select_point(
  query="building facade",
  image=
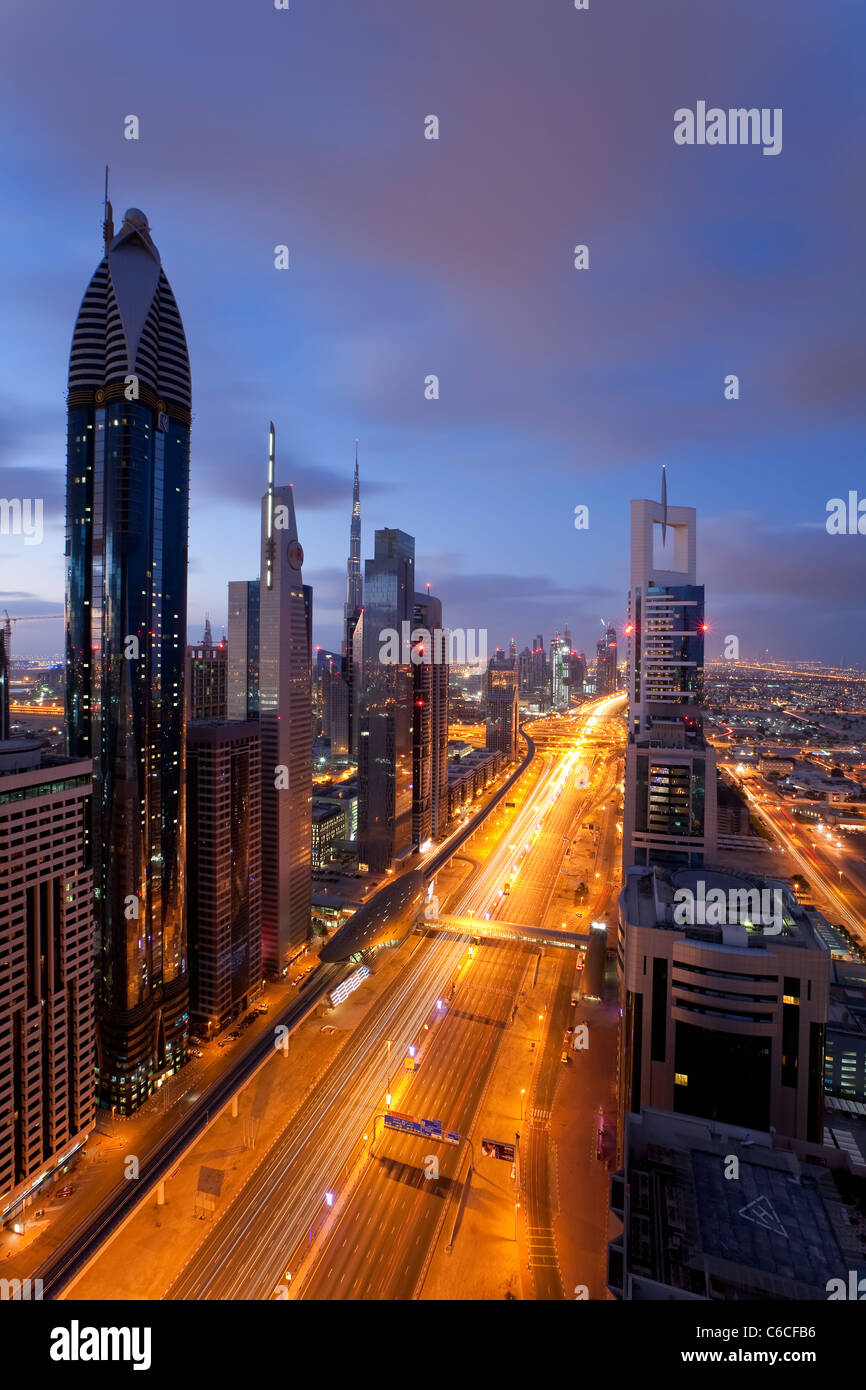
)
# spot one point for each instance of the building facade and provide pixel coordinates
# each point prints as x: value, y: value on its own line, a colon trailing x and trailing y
x: 560, y: 652
x: 285, y: 719
x: 224, y: 870
x: 605, y: 663
x: 724, y: 1021
x: 242, y: 689
x: 670, y: 784
x: 386, y: 725
x: 429, y: 721
x: 503, y: 718
x: 47, y: 997
x: 127, y: 506
x: 207, y: 681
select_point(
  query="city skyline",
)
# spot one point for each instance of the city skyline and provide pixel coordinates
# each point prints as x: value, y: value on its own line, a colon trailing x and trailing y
x: 733, y: 272
x: 432, y: 856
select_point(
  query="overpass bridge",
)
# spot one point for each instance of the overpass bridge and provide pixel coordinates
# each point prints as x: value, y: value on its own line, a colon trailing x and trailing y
x: 505, y: 931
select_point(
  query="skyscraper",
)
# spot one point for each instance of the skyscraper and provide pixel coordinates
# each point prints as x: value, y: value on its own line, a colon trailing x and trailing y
x: 670, y: 786
x: 225, y: 852
x: 206, y: 683
x: 47, y: 1025
x: 560, y: 651
x: 127, y: 505
x: 430, y: 721
x: 354, y: 583
x: 576, y: 676
x: 605, y: 664
x: 385, y: 735
x: 285, y: 717
x: 502, y: 704
x: 351, y: 672
x: 242, y: 694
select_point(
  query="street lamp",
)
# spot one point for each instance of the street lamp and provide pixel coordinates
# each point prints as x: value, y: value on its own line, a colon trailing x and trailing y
x: 522, y: 1094
x: 540, y: 1017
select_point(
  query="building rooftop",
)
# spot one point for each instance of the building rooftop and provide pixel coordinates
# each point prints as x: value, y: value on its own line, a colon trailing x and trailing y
x: 648, y: 899
x: 776, y: 1226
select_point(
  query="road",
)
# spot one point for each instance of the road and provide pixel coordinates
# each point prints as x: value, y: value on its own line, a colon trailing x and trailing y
x: 380, y: 1244
x: 832, y: 865
x: 246, y: 1253
x: 73, y: 1247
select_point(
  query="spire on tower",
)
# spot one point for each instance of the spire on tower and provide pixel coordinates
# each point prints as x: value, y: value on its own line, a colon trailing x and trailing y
x: 664, y: 504
x: 108, y: 217
x: 269, y: 547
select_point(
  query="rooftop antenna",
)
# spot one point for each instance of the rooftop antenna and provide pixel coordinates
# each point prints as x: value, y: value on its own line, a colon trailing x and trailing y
x: 269, y: 547
x: 664, y: 504
x: 108, y: 219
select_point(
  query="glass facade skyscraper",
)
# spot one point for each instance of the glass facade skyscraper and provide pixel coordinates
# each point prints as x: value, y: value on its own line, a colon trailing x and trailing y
x: 386, y: 725
x: 670, y: 812
x: 127, y: 507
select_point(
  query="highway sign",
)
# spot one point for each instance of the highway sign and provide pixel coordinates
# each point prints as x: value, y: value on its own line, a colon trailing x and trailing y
x: 408, y: 1124
x: 495, y: 1148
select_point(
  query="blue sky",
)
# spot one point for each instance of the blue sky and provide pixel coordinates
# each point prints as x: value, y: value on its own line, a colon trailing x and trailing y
x: 454, y: 257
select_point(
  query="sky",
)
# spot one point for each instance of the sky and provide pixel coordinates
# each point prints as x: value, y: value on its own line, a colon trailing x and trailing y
x: 455, y: 257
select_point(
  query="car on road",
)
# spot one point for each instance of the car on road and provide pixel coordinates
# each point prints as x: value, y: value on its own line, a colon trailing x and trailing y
x: 196, y: 1052
x: 565, y: 1057
x: 66, y: 1191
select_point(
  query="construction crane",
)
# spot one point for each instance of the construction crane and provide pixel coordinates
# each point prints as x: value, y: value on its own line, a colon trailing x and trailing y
x: 23, y: 618
x: 6, y: 658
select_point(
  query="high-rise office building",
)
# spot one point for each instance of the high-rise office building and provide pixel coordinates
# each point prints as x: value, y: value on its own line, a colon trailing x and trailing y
x: 338, y: 716
x: 725, y: 1000
x: 242, y: 693
x: 127, y: 506
x: 560, y: 652
x: 605, y: 664
x: 502, y: 704
x: 576, y: 676
x: 352, y: 636
x: 385, y: 734
x: 224, y: 869
x: 354, y: 582
x: 47, y: 1007
x: 429, y: 721
x: 524, y: 671
x: 325, y: 665
x: 206, y: 682
x: 670, y: 785
x: 355, y: 683
x: 285, y: 718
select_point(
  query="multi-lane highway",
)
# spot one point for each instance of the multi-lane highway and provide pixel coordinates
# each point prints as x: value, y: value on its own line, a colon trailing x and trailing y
x: 832, y: 866
x: 282, y: 1203
x: 380, y: 1245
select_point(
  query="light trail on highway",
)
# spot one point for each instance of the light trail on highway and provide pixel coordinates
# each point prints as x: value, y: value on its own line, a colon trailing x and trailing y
x: 244, y: 1255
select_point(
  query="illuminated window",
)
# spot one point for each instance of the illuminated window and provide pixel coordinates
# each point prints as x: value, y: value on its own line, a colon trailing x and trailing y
x: 680, y: 1078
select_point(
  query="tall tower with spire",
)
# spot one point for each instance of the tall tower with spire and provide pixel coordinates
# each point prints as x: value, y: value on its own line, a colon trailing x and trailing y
x: 670, y: 811
x: 353, y: 622
x: 127, y: 512
x: 285, y: 718
x: 354, y: 582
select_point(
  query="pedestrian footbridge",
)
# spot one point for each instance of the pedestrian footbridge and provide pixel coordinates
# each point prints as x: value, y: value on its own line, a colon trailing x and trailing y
x: 505, y: 931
